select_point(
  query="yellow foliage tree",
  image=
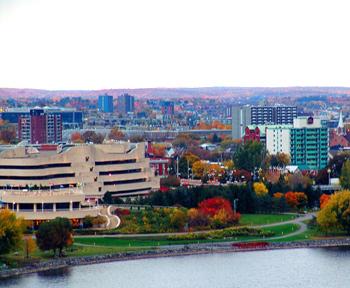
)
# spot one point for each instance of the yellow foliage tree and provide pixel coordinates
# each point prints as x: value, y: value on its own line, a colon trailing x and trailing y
x: 29, y: 246
x: 11, y: 229
x: 229, y: 165
x: 200, y: 168
x: 260, y: 189
x: 335, y: 215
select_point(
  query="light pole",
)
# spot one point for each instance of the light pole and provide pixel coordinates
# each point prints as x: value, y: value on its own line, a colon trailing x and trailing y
x: 235, y: 206
x: 329, y: 176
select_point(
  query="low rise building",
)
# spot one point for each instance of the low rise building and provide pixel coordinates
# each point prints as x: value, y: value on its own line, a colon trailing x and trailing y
x: 42, y: 184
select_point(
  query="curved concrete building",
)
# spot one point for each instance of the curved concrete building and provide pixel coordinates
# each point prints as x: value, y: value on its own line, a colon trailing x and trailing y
x: 45, y: 183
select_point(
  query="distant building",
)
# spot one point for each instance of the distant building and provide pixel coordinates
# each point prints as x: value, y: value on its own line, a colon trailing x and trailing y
x: 168, y: 108
x: 251, y: 135
x: 70, y: 117
x: 243, y: 116
x: 105, y: 103
x: 125, y: 104
x: 40, y: 127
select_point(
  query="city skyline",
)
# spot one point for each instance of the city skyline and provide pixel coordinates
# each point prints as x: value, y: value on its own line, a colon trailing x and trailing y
x: 61, y: 45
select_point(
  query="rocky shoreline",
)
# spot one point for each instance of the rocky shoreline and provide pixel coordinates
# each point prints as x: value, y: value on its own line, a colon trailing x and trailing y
x: 168, y: 251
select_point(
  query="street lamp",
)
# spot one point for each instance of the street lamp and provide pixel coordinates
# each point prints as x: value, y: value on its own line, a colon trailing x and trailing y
x: 235, y: 206
x: 329, y: 176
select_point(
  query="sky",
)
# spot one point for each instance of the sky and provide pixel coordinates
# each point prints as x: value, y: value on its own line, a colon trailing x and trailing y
x: 102, y: 44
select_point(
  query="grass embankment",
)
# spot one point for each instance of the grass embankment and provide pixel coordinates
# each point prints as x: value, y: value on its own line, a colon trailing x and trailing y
x: 163, y: 240
x: 263, y: 219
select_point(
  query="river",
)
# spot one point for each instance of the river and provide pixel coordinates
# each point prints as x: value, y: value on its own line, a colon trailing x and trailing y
x: 276, y: 268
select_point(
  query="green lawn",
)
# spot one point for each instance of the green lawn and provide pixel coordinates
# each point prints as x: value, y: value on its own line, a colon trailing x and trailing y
x: 158, y: 241
x: 262, y: 219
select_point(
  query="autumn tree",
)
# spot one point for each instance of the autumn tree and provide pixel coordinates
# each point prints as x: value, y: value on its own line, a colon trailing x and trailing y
x: 260, y: 189
x: 345, y: 175
x: 324, y: 200
x: 200, y: 168
x: 178, y: 219
x: 92, y: 136
x: 29, y: 246
x: 76, y: 137
x: 116, y: 134
x: 55, y: 235
x: 335, y: 215
x: 229, y: 165
x: 197, y: 218
x: 212, y: 205
x: 296, y: 199
x: 158, y: 150
x: 8, y: 135
x: 11, y: 229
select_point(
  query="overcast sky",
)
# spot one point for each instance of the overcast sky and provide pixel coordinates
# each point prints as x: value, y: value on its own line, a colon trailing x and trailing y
x: 82, y: 44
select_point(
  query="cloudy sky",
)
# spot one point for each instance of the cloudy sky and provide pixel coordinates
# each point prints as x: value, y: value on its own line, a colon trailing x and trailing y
x: 83, y: 44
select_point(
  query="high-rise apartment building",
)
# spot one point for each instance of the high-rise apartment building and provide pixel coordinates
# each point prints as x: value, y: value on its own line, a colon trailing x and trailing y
x: 125, y: 104
x: 105, y: 103
x: 309, y: 144
x: 278, y: 139
x: 39, y: 127
x: 242, y: 116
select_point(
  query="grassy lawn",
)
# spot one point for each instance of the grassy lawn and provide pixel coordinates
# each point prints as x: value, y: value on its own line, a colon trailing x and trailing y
x: 262, y: 219
x: 158, y: 241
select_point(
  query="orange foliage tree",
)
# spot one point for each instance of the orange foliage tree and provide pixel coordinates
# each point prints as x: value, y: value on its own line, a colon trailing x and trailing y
x: 324, y: 200
x: 76, y: 137
x: 296, y: 199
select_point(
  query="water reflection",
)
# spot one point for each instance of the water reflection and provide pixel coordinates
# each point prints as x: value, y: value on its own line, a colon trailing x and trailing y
x: 307, y: 268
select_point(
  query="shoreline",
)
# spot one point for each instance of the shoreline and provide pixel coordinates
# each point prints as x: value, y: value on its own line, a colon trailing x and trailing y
x: 176, y: 251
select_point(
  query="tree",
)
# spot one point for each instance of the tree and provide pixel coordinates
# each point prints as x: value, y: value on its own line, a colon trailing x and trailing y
x: 200, y: 168
x: 99, y: 221
x: 158, y: 150
x: 345, y: 175
x: 116, y: 134
x: 8, y: 135
x: 11, y: 229
x: 296, y: 199
x: 29, y: 246
x: 212, y: 206
x: 196, y: 218
x: 229, y: 165
x: 335, y: 215
x: 55, y: 235
x: 76, y: 137
x: 92, y: 136
x: 178, y: 219
x: 249, y: 156
x: 260, y: 189
x: 324, y: 200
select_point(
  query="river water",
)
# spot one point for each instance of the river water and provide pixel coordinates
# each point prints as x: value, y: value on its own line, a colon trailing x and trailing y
x: 276, y: 268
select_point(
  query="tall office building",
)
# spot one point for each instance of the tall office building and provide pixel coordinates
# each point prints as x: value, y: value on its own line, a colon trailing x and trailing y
x: 39, y: 127
x: 243, y: 116
x: 309, y: 144
x: 125, y: 104
x: 105, y: 103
